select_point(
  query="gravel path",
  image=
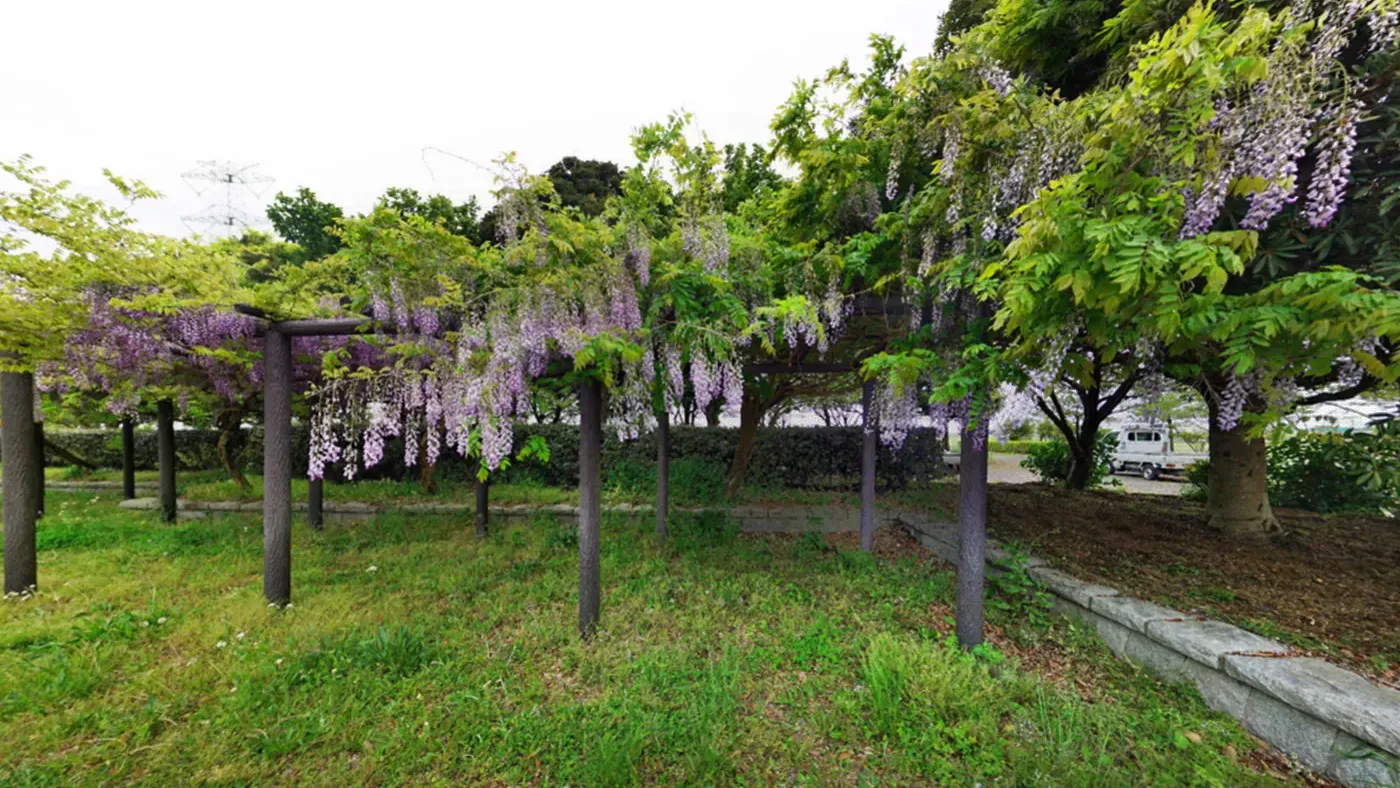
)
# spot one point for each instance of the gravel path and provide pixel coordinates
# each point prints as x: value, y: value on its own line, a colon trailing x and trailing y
x: 1006, y: 469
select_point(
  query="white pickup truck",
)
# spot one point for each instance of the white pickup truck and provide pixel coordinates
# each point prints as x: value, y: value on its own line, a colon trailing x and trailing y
x: 1147, y: 452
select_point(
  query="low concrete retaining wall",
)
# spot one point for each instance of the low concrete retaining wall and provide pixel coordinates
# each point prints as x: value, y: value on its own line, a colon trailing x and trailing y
x: 1330, y: 719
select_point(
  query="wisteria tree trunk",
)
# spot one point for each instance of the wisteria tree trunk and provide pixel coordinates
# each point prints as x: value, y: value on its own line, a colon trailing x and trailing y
x: 590, y: 514
x: 750, y: 418
x: 663, y: 473
x: 867, y: 466
x: 165, y: 443
x: 712, y: 412
x: 427, y: 471
x: 19, y: 486
x: 972, y: 539
x: 128, y: 459
x: 1237, y: 498
x: 229, y: 423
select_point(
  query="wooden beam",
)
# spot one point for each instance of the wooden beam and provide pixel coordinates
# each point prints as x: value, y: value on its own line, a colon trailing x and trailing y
x: 338, y: 326
x: 19, y: 485
x: 590, y: 513
x: 813, y: 368
x: 892, y: 305
x: 277, y: 468
x: 165, y: 449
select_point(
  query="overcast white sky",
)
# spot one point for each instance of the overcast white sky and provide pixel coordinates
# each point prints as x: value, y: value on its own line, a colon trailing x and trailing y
x: 343, y: 96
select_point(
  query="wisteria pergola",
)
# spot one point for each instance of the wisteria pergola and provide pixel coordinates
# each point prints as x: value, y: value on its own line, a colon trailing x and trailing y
x: 23, y: 468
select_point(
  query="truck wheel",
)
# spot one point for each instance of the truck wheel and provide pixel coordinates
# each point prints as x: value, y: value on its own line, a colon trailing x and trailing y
x: 1150, y: 472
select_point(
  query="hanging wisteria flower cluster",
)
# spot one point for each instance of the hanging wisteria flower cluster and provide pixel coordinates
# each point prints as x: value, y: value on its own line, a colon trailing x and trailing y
x: 896, y: 413
x: 705, y: 238
x: 123, y: 350
x: 1264, y: 132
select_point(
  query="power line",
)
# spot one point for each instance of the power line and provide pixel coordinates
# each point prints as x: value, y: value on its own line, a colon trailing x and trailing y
x: 226, y: 217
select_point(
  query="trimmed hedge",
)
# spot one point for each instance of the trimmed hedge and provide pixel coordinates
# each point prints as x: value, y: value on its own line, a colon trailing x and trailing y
x: 1019, y: 447
x: 801, y: 457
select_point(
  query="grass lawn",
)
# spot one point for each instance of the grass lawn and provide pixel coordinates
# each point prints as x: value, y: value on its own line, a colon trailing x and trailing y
x: 416, y: 653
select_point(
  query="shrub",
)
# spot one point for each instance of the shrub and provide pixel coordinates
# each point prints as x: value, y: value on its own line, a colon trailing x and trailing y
x: 795, y: 457
x: 1336, y: 472
x: 1050, y: 460
x: 1346, y: 471
x: 1018, y: 447
x: 1197, y: 481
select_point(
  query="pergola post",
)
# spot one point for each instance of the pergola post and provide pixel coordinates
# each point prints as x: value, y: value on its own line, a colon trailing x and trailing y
x: 663, y: 472
x: 277, y: 467
x: 867, y: 466
x: 972, y: 536
x: 165, y: 441
x: 38, y: 467
x: 20, y: 484
x: 128, y: 460
x: 590, y: 455
x: 315, y: 498
x: 483, y: 507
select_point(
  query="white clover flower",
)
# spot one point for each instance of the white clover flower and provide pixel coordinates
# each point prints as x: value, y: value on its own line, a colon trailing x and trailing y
x: 221, y: 644
x: 372, y: 568
x: 241, y: 635
x: 162, y: 620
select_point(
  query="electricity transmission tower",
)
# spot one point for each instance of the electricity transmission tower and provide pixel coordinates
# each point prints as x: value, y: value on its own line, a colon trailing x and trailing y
x: 225, y: 217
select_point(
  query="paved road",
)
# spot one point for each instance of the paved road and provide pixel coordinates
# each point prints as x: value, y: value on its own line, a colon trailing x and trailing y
x: 1006, y: 469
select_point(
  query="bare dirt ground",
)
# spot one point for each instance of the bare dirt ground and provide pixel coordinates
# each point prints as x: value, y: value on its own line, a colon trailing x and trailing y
x: 1006, y: 469
x: 1328, y: 584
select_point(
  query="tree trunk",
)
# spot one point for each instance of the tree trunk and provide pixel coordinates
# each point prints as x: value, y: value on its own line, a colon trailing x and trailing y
x: 1237, y: 499
x: 972, y: 539
x: 230, y: 425
x: 712, y: 412
x: 20, y: 485
x: 165, y: 440
x: 750, y: 417
x: 590, y: 514
x: 128, y: 459
x: 1081, y: 450
x: 663, y: 473
x: 427, y: 471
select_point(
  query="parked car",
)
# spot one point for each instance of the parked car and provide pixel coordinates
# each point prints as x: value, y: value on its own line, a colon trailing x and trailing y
x: 1147, y: 451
